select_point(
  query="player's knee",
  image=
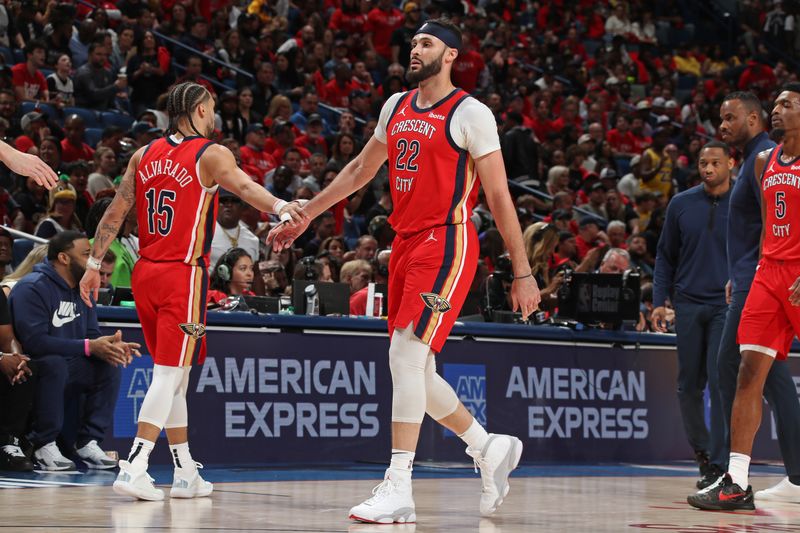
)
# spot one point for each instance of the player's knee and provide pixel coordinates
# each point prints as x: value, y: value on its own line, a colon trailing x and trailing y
x: 751, y: 371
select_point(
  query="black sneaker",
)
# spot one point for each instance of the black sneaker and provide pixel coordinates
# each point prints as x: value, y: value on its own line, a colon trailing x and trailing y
x: 12, y: 459
x: 711, y: 475
x: 725, y: 496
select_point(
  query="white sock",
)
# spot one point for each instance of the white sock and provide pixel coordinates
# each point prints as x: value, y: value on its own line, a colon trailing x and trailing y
x: 402, y: 463
x: 738, y: 467
x: 140, y: 452
x: 181, y: 456
x: 475, y: 436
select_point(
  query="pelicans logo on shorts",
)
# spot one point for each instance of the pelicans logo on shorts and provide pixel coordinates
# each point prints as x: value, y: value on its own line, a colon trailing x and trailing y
x: 195, y: 331
x: 435, y: 302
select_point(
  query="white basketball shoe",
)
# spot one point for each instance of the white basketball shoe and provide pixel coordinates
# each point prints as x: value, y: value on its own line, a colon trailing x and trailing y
x: 392, y: 502
x: 783, y: 491
x: 133, y: 481
x: 187, y: 483
x: 498, y: 458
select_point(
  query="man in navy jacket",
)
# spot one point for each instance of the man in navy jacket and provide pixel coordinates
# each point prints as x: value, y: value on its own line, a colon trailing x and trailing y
x: 691, y: 268
x: 61, y: 334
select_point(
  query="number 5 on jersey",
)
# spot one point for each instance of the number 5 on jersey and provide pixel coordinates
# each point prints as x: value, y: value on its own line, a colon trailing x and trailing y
x: 160, y: 212
x: 780, y: 204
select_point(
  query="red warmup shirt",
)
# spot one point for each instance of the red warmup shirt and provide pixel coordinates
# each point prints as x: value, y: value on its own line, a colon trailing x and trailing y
x: 340, y: 96
x: 620, y: 142
x: 467, y: 69
x: 352, y: 23
x: 382, y: 24
x: 305, y: 155
x: 35, y: 85
x: 176, y: 213
x: 312, y: 145
x: 70, y: 153
x: 256, y: 163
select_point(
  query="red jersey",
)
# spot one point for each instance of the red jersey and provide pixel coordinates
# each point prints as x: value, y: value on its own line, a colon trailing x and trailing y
x: 780, y: 186
x: 34, y: 85
x: 433, y: 181
x: 256, y: 163
x: 467, y: 69
x: 176, y: 213
x: 382, y: 24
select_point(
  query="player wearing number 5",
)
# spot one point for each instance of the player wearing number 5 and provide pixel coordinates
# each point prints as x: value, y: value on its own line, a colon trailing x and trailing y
x: 173, y: 184
x: 771, y: 316
x: 438, y: 141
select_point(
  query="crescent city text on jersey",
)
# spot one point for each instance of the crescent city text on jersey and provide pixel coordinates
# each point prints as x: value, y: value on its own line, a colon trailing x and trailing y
x: 158, y: 167
x: 792, y: 180
x: 414, y: 124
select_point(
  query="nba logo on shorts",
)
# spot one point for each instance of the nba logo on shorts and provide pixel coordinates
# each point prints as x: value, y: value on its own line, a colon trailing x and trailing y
x: 469, y: 382
x: 134, y: 383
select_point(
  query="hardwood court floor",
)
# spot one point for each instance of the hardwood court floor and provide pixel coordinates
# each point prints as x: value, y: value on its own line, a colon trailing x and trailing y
x: 547, y: 504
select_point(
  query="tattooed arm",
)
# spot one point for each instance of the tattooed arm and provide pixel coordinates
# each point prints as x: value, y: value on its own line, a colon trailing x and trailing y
x: 109, y: 226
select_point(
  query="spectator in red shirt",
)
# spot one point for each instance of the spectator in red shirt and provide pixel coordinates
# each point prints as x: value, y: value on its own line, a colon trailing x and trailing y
x: 622, y: 141
x: 34, y: 129
x: 641, y: 141
x: 28, y: 81
x: 72, y: 147
x: 589, y: 236
x: 542, y: 125
x: 357, y: 274
x: 337, y: 91
x: 757, y: 78
x: 569, y: 117
x: 313, y: 140
x: 348, y: 19
x: 256, y: 161
x: 468, y: 66
x: 381, y: 23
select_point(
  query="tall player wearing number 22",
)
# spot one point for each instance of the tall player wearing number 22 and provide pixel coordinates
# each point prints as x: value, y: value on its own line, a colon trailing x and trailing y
x: 771, y: 315
x: 173, y: 182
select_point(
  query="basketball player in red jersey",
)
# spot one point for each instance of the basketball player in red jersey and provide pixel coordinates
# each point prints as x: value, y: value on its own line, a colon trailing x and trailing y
x: 771, y: 315
x: 173, y: 182
x: 438, y: 141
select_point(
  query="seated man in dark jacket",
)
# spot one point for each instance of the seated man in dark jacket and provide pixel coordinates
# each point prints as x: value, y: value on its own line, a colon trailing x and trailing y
x: 72, y: 359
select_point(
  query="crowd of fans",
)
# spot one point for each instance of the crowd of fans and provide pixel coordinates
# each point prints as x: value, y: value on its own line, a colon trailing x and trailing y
x: 602, y: 108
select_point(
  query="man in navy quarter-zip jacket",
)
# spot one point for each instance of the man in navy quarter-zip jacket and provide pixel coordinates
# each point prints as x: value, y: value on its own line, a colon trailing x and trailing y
x: 743, y: 128
x: 691, y: 268
x: 61, y: 335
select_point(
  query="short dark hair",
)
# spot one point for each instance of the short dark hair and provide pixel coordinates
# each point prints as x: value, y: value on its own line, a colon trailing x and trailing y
x: 95, y: 45
x: 793, y: 87
x: 717, y: 144
x: 748, y: 100
x: 34, y: 45
x: 62, y: 242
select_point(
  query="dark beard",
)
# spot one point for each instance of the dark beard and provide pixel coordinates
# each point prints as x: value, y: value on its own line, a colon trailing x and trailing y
x: 777, y: 134
x: 76, y: 270
x: 426, y: 71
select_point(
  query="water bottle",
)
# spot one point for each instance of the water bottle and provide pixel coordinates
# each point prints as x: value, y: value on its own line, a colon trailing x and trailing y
x: 377, y: 306
x: 312, y: 300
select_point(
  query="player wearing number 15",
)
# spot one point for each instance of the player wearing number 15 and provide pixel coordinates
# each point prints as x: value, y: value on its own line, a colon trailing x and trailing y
x: 173, y: 182
x: 771, y: 315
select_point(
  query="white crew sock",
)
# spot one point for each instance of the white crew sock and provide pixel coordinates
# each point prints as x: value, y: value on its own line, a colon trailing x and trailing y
x: 738, y: 467
x: 140, y: 452
x: 475, y: 436
x: 402, y: 464
x: 181, y: 456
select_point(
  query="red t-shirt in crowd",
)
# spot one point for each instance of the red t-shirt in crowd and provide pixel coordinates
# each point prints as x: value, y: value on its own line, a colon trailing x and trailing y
x: 466, y: 70
x: 625, y: 143
x: 70, y: 153
x: 23, y: 143
x: 358, y: 302
x: 318, y: 145
x: 305, y: 155
x: 339, y: 96
x: 256, y: 163
x: 382, y: 24
x: 35, y: 85
x: 352, y: 23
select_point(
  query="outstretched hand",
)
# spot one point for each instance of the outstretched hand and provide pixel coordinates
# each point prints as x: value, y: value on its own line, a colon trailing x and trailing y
x: 30, y: 165
x: 284, y: 234
x: 90, y: 286
x: 293, y: 212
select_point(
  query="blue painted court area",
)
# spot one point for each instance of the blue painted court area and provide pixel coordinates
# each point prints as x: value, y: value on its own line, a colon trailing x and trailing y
x: 356, y: 471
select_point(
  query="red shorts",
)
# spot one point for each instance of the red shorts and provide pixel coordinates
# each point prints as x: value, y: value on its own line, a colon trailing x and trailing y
x: 769, y: 322
x: 430, y: 274
x: 171, y: 302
